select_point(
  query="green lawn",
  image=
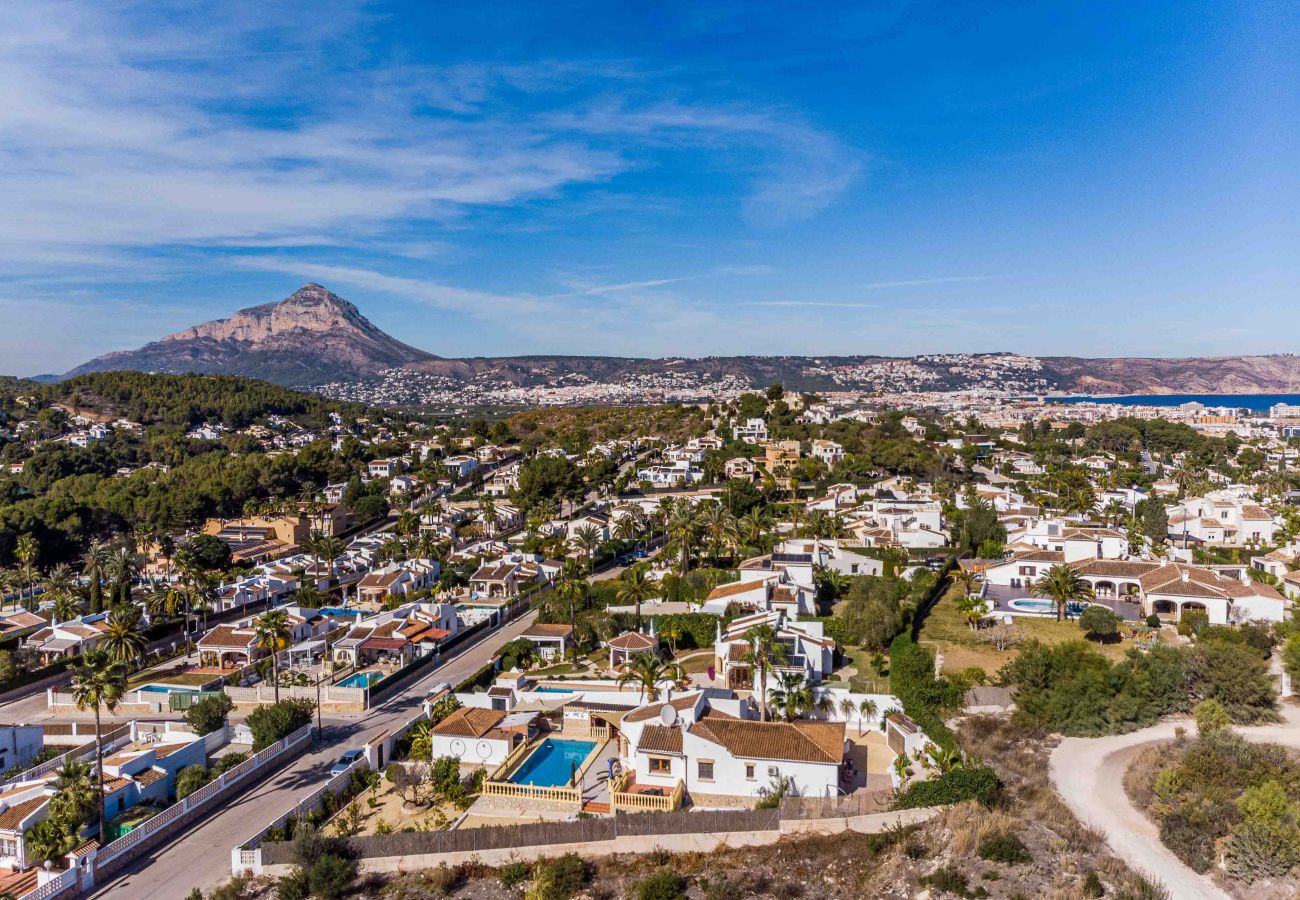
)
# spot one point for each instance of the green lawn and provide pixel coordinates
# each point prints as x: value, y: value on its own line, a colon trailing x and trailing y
x: 696, y: 664
x: 946, y: 631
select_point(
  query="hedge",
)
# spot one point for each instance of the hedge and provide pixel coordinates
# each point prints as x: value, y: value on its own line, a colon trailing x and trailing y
x: 967, y: 783
x: 925, y: 698
x: 697, y: 630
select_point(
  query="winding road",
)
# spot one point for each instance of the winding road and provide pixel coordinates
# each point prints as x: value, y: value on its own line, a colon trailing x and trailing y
x: 1089, y: 774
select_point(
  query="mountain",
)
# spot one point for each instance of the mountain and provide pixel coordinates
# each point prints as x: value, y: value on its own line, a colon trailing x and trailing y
x: 310, y: 337
x: 317, y: 339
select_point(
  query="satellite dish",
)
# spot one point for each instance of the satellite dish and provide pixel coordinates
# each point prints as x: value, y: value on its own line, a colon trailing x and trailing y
x: 668, y: 714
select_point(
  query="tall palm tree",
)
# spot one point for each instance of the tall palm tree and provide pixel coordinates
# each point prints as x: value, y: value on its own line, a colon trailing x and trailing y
x: 272, y: 632
x: 683, y: 530
x: 636, y: 588
x: 123, y: 565
x: 123, y: 641
x: 648, y: 672
x: 572, y: 589
x: 966, y: 580
x: 587, y: 540
x: 1063, y: 585
x: 11, y: 584
x: 59, y: 581
x: 27, y: 551
x: 765, y: 650
x: 847, y: 709
x: 720, y: 526
x: 866, y: 709
x: 972, y: 607
x: 99, y: 683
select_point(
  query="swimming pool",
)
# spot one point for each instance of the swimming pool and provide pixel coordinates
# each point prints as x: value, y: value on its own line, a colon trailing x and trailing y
x: 164, y: 689
x: 549, y: 689
x: 1046, y: 607
x: 338, y: 611
x: 361, y: 679
x: 553, y: 763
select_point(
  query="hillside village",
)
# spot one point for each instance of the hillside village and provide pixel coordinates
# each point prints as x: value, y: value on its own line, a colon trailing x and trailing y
x: 789, y: 600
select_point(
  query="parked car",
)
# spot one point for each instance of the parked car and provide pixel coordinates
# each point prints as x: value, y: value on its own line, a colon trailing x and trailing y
x: 345, y: 761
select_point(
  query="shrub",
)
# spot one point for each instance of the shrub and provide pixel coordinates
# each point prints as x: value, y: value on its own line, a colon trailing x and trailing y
x: 1153, y: 621
x: 189, y: 780
x: 947, y: 879
x: 1262, y: 849
x: 1092, y: 885
x: 1188, y: 841
x: 227, y: 762
x: 331, y: 876
x: 1234, y: 674
x: 925, y: 698
x: 279, y: 720
x: 664, y: 884
x: 1099, y: 623
x: 967, y: 783
x: 1004, y: 847
x: 1211, y: 717
x: 208, y: 714
x: 558, y: 879
x: 511, y: 875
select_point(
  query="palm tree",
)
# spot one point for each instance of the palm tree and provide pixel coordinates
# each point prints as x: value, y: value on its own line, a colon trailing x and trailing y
x: 866, y: 709
x: 764, y: 650
x: 847, y: 708
x: 648, y: 671
x: 11, y: 584
x: 792, y: 695
x: 59, y: 581
x: 27, y: 551
x: 967, y: 580
x: 587, y: 540
x: 572, y: 589
x: 272, y: 632
x: 66, y: 608
x: 683, y: 529
x: 1063, y: 585
x: 99, y: 683
x: 94, y: 567
x: 720, y: 527
x: 636, y: 588
x: 122, y: 641
x: 972, y: 607
x: 752, y: 526
x: 122, y: 568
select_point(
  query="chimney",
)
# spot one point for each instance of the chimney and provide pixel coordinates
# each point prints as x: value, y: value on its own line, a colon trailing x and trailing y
x: 1187, y: 576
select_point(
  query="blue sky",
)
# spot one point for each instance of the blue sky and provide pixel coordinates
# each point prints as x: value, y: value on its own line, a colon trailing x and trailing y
x: 656, y: 179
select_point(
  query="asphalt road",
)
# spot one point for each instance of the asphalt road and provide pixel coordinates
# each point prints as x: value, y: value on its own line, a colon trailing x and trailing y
x: 201, y: 858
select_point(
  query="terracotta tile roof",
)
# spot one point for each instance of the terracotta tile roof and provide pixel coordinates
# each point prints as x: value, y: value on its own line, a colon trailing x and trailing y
x: 1114, y: 568
x: 12, y: 818
x: 549, y: 631
x: 228, y: 636
x: 633, y: 640
x: 738, y: 587
x: 799, y: 741
x: 150, y: 776
x: 660, y: 739
x: 469, y: 721
x: 645, y: 713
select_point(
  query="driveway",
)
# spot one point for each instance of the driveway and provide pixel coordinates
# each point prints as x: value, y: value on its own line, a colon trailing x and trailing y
x: 1089, y: 775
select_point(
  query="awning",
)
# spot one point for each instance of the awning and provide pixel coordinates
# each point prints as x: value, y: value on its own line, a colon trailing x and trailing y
x: 383, y: 643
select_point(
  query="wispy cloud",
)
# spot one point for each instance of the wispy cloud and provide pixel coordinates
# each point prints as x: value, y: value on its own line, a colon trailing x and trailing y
x: 925, y: 282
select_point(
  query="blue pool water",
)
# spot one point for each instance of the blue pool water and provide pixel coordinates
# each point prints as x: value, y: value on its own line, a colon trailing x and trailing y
x: 338, y: 611
x: 548, y: 689
x: 1045, y: 607
x: 361, y: 679
x: 165, y: 689
x: 552, y: 764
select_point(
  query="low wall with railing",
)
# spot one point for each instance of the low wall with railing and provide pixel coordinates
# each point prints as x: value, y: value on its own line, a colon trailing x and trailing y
x: 114, y: 737
x: 632, y: 801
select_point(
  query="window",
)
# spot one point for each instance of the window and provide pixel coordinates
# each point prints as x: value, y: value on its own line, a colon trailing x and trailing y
x: 661, y: 765
x: 749, y: 771
x: 854, y: 568
x: 706, y: 770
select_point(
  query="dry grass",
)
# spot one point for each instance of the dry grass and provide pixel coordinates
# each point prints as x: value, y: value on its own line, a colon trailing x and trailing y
x: 946, y: 631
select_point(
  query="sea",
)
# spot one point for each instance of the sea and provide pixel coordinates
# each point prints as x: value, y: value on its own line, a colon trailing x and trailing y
x: 1252, y: 402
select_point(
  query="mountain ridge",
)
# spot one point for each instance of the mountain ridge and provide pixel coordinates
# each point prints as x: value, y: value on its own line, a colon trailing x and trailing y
x: 314, y: 337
